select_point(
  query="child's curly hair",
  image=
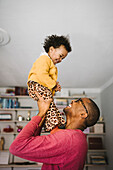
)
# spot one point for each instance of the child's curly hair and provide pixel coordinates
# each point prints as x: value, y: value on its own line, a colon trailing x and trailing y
x: 56, y: 42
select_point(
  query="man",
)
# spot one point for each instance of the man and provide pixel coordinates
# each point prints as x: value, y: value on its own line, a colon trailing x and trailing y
x: 64, y: 149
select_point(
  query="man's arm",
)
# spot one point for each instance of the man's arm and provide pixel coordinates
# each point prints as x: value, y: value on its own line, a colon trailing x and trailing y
x: 46, y: 149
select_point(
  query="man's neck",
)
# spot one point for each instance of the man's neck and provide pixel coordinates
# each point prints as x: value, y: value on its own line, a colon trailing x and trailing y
x: 74, y: 125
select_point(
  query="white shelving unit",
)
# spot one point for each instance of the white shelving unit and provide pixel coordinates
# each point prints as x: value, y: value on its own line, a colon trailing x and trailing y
x: 14, y: 121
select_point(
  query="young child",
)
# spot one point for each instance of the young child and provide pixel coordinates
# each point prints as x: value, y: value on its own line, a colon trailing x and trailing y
x: 43, y: 76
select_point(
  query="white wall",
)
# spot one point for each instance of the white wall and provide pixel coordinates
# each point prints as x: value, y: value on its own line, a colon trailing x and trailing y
x: 107, y: 110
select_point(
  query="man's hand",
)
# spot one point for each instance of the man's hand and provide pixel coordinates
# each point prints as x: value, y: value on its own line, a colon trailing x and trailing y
x: 43, y: 105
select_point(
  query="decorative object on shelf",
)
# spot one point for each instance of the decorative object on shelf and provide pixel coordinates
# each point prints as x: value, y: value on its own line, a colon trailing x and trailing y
x: 19, y: 128
x: 101, y: 119
x: 84, y: 93
x: 28, y: 116
x: 2, y: 142
x: 8, y: 129
x: 4, y: 37
x: 87, y: 130
x: 5, y: 116
x: 20, y: 118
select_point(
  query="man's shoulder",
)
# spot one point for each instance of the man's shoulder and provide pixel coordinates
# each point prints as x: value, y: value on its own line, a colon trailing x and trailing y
x: 73, y: 133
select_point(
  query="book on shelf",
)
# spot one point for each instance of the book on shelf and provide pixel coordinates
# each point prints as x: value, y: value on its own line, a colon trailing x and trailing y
x: 5, y: 116
x: 21, y: 91
x: 9, y: 103
x: 25, y: 107
x: 98, y: 159
x: 95, y: 143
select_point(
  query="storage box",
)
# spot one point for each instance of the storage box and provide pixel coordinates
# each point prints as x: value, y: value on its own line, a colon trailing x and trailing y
x: 99, y: 128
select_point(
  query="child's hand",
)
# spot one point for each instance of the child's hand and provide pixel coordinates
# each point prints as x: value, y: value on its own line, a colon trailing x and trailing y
x: 57, y: 87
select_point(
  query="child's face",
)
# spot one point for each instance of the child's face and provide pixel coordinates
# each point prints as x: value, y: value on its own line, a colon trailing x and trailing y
x: 57, y: 54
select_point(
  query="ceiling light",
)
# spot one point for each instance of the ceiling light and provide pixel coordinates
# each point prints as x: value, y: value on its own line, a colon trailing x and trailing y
x: 4, y: 37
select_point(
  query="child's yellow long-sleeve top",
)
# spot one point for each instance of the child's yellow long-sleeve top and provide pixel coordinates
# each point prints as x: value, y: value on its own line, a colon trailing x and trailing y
x: 44, y: 72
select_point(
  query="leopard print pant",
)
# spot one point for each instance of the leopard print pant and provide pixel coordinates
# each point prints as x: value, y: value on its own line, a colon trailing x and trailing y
x: 53, y: 116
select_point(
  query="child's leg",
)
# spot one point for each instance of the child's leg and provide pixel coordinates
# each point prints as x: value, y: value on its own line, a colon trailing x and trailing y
x: 31, y: 90
x: 53, y: 116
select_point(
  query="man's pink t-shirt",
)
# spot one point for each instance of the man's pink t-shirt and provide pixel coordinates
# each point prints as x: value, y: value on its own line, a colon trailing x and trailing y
x: 62, y: 150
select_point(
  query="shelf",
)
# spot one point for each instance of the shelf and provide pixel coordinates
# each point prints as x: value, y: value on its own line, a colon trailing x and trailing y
x: 14, y: 97
x: 13, y: 121
x: 3, y: 133
x: 10, y: 133
x: 45, y: 132
x: 40, y: 165
x: 55, y: 97
x: 16, y: 133
x: 71, y: 97
x: 97, y: 150
x: 67, y: 97
x: 18, y: 109
x: 7, y: 133
x: 95, y: 133
x: 94, y: 165
x: 21, y: 166
x: 100, y: 122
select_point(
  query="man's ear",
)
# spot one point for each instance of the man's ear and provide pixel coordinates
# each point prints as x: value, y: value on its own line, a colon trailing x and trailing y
x: 84, y: 115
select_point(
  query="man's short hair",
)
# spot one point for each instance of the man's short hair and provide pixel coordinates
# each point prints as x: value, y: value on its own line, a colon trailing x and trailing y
x: 94, y: 113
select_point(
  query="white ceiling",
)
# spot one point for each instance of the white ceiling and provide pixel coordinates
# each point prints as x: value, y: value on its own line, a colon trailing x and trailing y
x: 89, y: 24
